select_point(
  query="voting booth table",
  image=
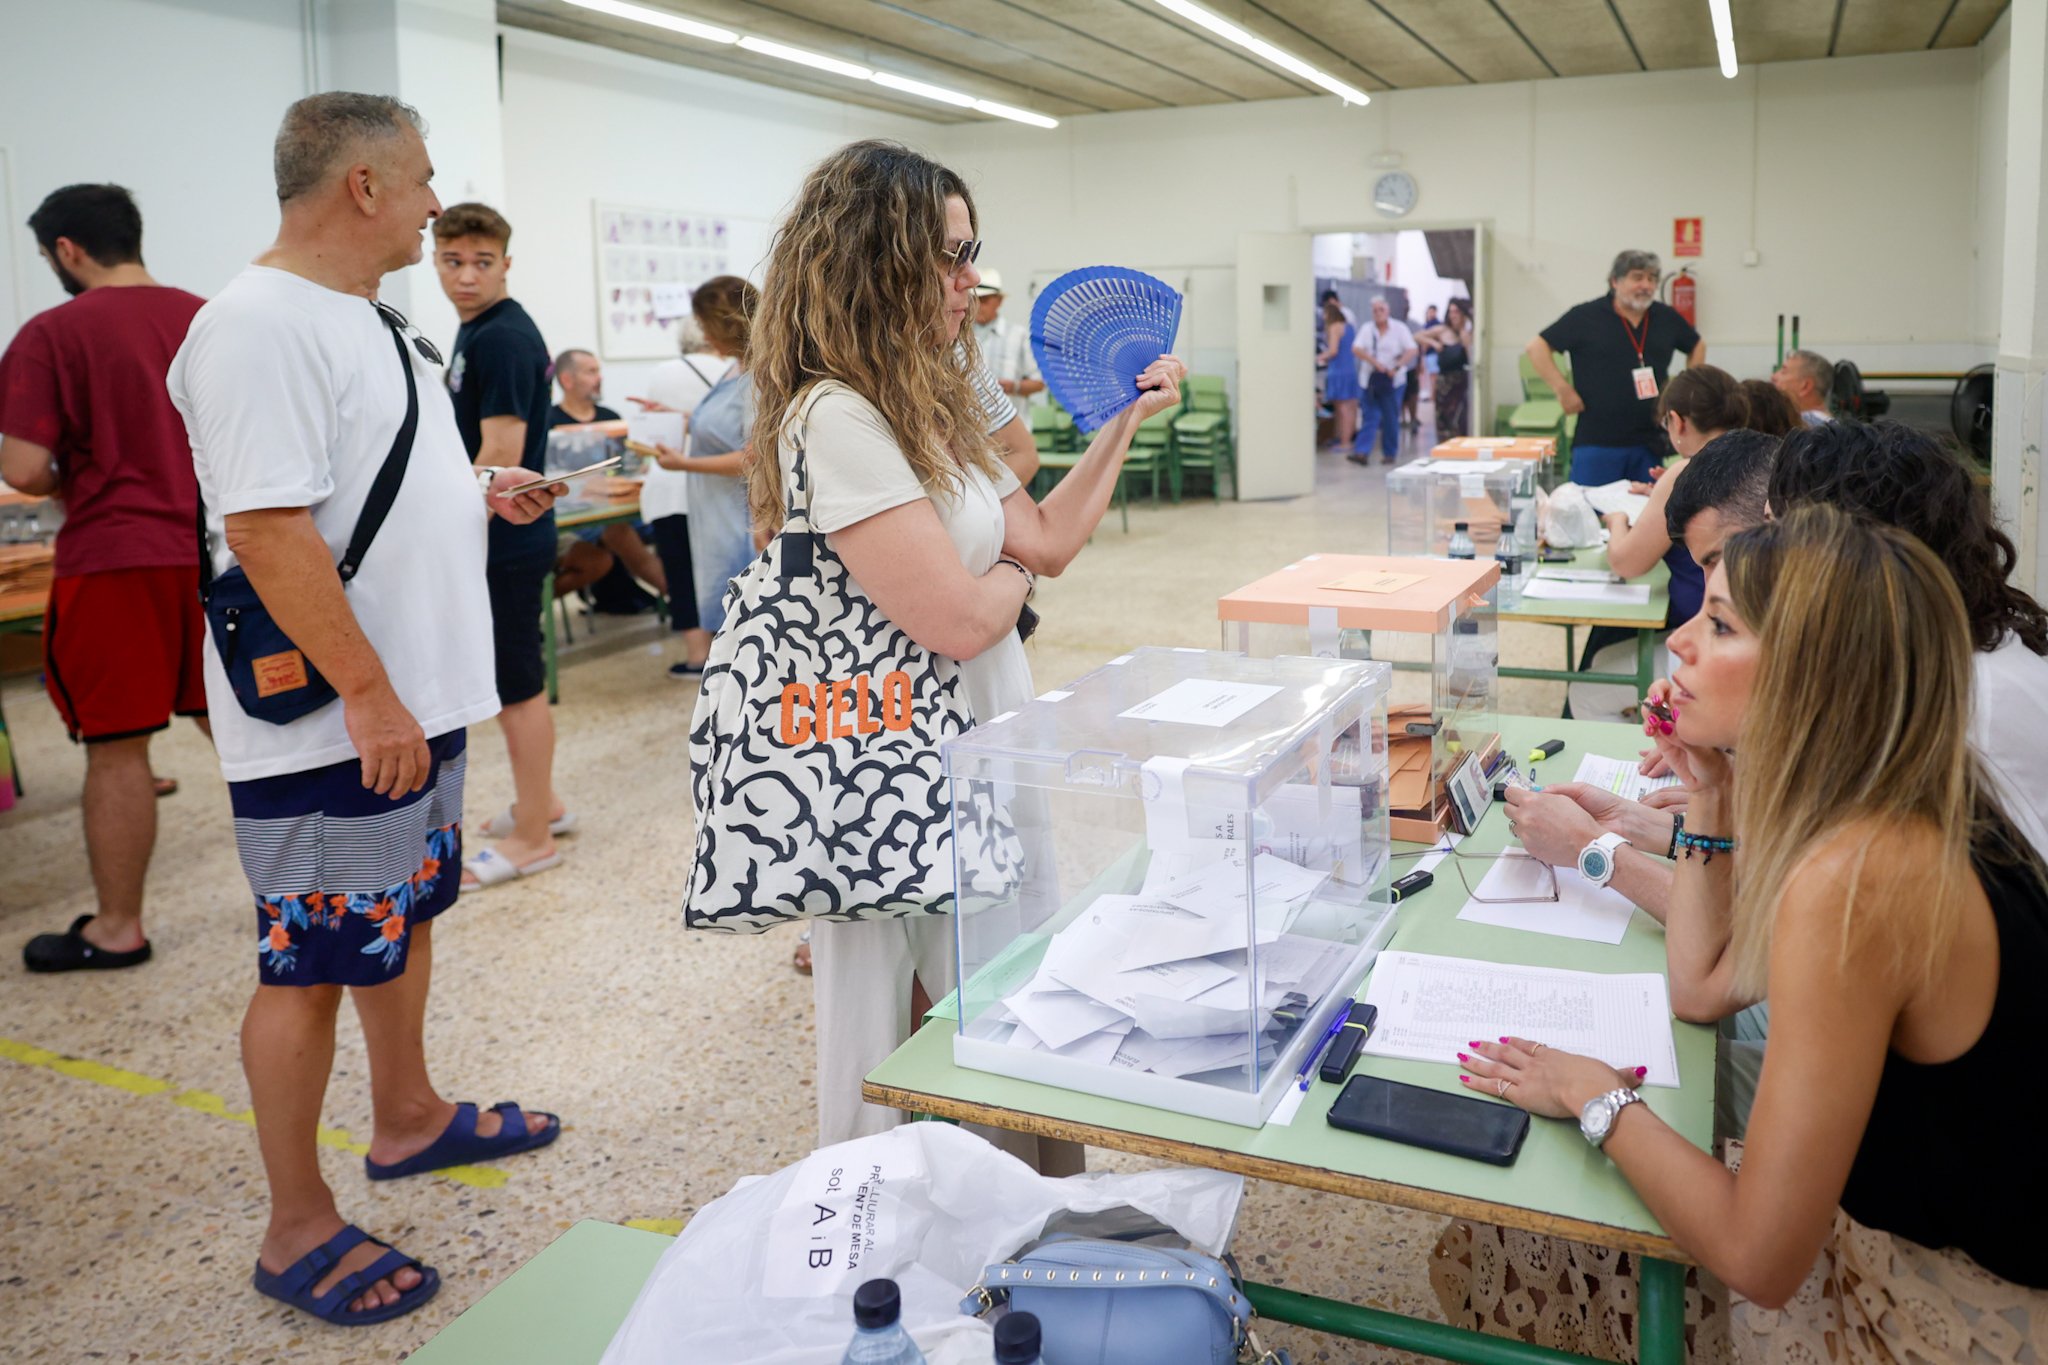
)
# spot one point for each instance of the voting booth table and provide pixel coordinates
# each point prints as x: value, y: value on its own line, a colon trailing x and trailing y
x: 1430, y: 619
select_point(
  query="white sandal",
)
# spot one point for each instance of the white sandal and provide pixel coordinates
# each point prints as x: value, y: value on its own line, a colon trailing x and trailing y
x: 500, y: 826
x: 492, y: 868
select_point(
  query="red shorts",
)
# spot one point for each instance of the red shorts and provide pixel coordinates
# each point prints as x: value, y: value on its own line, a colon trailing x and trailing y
x: 121, y: 651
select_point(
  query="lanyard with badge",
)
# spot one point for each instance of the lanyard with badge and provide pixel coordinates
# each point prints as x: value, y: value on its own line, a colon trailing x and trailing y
x: 1645, y: 379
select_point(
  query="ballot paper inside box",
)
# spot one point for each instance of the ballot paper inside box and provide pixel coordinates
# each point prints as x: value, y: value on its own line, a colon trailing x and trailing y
x: 1430, y: 619
x: 1427, y: 498
x: 1170, y: 874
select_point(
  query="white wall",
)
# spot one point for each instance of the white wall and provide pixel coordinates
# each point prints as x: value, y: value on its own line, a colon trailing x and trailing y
x: 177, y: 101
x: 585, y: 123
x: 1859, y: 175
x: 1994, y: 58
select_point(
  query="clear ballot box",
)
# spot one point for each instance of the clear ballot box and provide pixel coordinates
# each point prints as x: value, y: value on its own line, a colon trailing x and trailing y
x: 1427, y: 498
x: 1430, y: 620
x: 1169, y: 874
x: 1531, y: 457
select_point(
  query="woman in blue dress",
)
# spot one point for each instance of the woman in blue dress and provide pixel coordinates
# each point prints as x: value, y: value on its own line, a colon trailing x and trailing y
x: 1340, y: 379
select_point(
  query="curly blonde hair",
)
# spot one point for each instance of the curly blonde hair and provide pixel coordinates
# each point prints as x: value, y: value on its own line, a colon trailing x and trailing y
x: 854, y: 290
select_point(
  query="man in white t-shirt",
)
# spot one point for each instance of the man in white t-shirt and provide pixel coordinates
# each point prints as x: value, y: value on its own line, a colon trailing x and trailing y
x: 1807, y: 378
x: 293, y: 385
x: 1385, y: 349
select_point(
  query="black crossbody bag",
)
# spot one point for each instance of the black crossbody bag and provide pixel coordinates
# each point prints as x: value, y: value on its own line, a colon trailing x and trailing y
x: 271, y: 677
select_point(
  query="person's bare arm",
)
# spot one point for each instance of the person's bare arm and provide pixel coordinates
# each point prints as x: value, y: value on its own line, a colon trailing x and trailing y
x: 1028, y: 386
x: 503, y: 443
x: 908, y: 566
x: 1635, y: 550
x: 1698, y: 355
x: 1407, y: 360
x: 1333, y: 339
x: 732, y: 464
x: 292, y: 570
x: 1544, y: 361
x: 1045, y: 536
x: 1017, y: 449
x: 1557, y: 822
x: 27, y: 467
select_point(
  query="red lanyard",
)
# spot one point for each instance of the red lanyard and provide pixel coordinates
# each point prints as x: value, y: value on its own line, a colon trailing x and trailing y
x: 1632, y: 334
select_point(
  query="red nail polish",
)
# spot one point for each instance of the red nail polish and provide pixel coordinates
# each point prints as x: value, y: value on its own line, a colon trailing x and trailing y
x: 1466, y: 1079
x: 1463, y: 1058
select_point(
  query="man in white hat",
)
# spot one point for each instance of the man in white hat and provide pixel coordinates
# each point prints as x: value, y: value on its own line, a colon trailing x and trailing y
x: 1006, y: 346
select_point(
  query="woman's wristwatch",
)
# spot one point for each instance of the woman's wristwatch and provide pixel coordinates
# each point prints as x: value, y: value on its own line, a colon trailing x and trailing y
x: 1597, y: 1115
x: 485, y: 477
x: 1030, y: 578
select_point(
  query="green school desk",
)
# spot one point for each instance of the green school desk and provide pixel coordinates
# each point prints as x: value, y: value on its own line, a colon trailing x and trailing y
x: 1558, y: 1184
x: 1646, y: 621
x: 561, y: 1307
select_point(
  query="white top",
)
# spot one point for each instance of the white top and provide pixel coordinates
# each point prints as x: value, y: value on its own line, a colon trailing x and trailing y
x: 680, y: 384
x: 291, y: 395
x: 1008, y: 349
x: 2009, y: 731
x: 858, y: 471
x: 1386, y: 347
x: 1814, y: 417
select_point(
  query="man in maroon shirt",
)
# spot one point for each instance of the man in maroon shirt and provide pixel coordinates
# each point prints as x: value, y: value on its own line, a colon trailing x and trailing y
x: 84, y: 416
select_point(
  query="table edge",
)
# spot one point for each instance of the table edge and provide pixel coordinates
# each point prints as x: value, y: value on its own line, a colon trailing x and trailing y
x: 1281, y: 1172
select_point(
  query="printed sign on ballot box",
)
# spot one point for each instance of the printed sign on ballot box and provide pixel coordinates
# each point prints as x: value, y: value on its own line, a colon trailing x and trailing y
x: 838, y: 1208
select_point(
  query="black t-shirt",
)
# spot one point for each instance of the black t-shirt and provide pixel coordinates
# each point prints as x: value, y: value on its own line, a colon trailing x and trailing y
x: 1603, y: 351
x: 500, y: 368
x: 559, y: 418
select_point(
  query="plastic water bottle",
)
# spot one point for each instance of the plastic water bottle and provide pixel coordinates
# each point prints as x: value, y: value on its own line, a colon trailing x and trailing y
x: 1461, y: 542
x: 1017, y: 1340
x: 1508, y: 553
x: 878, y: 1336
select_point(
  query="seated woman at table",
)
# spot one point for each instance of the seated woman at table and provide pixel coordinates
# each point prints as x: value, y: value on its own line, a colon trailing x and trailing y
x: 1898, y: 923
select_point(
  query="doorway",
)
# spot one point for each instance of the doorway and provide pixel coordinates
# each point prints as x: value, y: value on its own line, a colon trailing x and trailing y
x: 1427, y: 280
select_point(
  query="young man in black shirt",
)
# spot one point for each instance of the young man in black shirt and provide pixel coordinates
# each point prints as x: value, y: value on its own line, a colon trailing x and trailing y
x: 498, y: 382
x: 1621, y: 347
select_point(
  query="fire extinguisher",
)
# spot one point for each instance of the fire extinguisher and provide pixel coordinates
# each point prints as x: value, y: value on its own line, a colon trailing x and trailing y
x: 1679, y: 289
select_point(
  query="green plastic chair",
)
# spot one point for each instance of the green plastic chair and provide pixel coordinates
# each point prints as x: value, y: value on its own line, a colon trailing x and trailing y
x: 1540, y: 414
x: 1202, y: 440
x: 1152, y: 451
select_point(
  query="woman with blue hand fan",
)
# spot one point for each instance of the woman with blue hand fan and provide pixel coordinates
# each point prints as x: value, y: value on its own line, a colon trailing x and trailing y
x: 864, y: 376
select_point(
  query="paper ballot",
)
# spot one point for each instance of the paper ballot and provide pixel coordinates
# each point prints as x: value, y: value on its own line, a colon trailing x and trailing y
x: 1565, y: 590
x: 1203, y: 701
x: 1616, y: 497
x: 1432, y: 1007
x: 1621, y: 776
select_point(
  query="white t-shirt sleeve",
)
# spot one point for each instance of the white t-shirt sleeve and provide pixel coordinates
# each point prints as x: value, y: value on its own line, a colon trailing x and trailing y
x: 995, y: 404
x: 259, y: 408
x: 856, y: 468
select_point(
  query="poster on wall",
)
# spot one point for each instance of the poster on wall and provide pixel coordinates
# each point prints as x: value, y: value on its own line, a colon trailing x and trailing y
x: 648, y: 262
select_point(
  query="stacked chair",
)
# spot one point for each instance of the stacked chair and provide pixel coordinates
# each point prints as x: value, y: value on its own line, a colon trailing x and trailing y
x: 1202, y: 439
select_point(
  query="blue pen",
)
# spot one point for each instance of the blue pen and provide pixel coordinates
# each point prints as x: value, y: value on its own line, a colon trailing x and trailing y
x: 1336, y: 1027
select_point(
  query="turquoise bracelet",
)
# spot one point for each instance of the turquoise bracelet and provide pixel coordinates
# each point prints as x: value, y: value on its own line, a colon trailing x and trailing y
x: 1687, y: 840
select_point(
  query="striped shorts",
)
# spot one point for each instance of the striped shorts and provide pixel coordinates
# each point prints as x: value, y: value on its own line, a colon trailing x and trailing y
x: 341, y: 874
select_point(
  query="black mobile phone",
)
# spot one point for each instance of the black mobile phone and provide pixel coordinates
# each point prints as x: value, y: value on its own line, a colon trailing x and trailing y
x: 1549, y: 556
x: 1460, y: 1125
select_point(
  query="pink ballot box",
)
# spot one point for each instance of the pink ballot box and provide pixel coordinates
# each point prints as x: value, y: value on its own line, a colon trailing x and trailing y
x: 1430, y: 619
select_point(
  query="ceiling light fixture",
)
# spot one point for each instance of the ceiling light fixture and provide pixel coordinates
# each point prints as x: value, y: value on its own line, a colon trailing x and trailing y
x: 767, y: 48
x: 920, y: 88
x: 1724, y: 36
x: 1279, y: 57
x: 674, y: 23
x: 711, y: 33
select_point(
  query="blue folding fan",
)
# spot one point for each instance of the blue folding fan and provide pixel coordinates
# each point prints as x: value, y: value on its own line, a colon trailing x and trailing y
x: 1094, y: 331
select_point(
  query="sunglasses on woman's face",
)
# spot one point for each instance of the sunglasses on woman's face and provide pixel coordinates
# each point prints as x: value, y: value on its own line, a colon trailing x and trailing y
x: 960, y: 257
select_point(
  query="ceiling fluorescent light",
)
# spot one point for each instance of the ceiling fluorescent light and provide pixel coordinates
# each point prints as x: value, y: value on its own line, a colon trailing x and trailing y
x: 1279, y: 57
x: 674, y: 23
x: 993, y: 109
x: 803, y: 58
x: 1724, y: 36
x: 930, y: 92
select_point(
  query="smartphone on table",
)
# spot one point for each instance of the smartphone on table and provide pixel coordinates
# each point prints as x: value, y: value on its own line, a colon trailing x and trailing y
x: 1459, y: 1125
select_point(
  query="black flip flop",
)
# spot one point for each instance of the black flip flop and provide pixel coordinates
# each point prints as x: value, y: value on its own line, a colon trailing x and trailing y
x: 70, y: 951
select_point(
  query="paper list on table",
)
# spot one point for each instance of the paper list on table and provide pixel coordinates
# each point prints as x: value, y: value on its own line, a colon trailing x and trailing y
x: 1431, y: 1008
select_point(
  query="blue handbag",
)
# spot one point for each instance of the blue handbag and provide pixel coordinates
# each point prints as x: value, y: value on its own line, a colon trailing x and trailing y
x: 1118, y: 1303
x: 271, y: 677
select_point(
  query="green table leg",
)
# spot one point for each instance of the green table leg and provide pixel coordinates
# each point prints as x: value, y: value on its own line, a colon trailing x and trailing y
x: 1660, y: 1319
x: 1571, y: 654
x: 1417, y: 1334
x: 1646, y: 661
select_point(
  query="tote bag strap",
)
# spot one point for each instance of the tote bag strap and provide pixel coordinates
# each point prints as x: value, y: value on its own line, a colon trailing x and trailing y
x: 796, y: 542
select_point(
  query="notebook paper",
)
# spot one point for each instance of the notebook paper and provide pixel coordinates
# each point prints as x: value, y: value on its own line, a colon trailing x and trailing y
x: 1431, y: 1008
x: 1622, y: 777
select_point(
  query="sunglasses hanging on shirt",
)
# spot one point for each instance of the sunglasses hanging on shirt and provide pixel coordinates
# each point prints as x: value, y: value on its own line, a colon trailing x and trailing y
x: 429, y: 352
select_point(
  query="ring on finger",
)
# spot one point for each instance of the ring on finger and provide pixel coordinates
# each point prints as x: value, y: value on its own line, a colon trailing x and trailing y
x: 1500, y: 1087
x: 1538, y: 1048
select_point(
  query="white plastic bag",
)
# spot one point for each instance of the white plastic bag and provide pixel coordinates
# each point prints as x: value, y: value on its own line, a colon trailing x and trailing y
x: 765, y: 1275
x: 1569, y: 521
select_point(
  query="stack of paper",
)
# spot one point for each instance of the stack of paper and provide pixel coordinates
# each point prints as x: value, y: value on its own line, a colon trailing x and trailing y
x: 1567, y: 590
x: 1621, y: 776
x: 1163, y: 980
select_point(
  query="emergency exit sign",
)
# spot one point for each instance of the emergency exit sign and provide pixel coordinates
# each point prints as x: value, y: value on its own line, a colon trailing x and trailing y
x: 1685, y: 236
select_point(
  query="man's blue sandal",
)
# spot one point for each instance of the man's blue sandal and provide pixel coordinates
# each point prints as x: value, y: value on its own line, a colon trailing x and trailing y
x: 295, y: 1285
x: 459, y: 1144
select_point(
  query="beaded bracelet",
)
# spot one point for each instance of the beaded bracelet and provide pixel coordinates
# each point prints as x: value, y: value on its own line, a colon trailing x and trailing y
x: 1689, y: 842
x: 1677, y: 828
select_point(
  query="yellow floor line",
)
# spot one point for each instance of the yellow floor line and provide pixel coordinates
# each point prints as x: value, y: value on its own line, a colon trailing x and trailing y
x: 666, y: 1226
x: 206, y: 1102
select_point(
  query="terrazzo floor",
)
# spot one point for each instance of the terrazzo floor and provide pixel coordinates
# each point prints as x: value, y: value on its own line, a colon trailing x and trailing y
x: 131, y: 1199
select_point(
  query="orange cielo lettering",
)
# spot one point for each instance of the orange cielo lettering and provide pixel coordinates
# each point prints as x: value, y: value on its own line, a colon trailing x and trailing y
x: 795, y: 729
x: 896, y: 701
x: 845, y: 707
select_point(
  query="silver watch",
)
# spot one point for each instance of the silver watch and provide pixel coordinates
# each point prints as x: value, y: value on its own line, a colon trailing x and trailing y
x: 1596, y: 1117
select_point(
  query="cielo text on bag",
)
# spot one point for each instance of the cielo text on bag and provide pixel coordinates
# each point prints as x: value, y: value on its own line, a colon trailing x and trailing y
x: 845, y: 707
